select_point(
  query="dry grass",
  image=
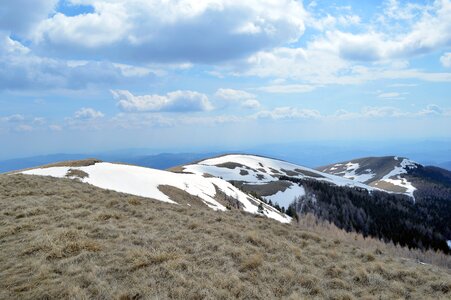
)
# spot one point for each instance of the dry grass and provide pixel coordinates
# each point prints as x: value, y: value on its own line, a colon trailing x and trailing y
x: 60, y: 238
x: 267, y: 189
x: 69, y: 163
x: 372, y: 245
x: 77, y: 173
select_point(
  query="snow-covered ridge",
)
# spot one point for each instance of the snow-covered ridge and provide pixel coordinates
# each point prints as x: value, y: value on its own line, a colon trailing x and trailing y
x: 350, y: 172
x: 145, y: 182
x: 387, y: 173
x: 257, y: 169
x: 394, y: 177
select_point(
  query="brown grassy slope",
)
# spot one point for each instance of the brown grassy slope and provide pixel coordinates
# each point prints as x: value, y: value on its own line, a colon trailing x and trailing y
x: 60, y: 238
x: 68, y: 163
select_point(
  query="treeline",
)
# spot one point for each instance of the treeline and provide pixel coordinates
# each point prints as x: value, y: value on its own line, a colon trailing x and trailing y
x: 423, y: 224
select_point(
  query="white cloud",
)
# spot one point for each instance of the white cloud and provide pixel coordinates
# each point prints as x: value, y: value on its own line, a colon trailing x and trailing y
x: 177, y: 101
x: 39, y: 121
x: 13, y: 118
x: 247, y: 100
x: 18, y: 16
x: 307, y: 64
x: 21, y: 69
x: 317, y: 65
x: 431, y: 110
x: 172, y: 31
x: 233, y: 95
x: 87, y: 113
x: 381, y: 112
x: 287, y: 112
x: 406, y: 11
x: 287, y: 88
x: 21, y: 123
x: 403, y: 85
x: 391, y: 95
x: 430, y: 32
x: 445, y: 59
x: 24, y: 128
x: 251, y: 104
x: 55, y: 127
x: 372, y: 53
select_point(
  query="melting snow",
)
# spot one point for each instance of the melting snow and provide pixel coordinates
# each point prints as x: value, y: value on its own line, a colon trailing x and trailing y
x: 286, y: 197
x: 141, y: 181
x: 350, y: 173
x: 394, y: 177
x: 271, y: 169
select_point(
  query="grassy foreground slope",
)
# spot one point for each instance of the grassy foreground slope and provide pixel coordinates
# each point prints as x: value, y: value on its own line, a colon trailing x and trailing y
x: 63, y: 239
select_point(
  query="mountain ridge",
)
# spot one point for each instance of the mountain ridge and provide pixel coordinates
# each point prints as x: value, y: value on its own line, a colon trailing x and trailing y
x: 391, y: 173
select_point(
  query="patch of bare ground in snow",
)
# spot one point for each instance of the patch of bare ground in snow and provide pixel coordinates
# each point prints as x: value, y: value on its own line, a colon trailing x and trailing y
x: 63, y: 239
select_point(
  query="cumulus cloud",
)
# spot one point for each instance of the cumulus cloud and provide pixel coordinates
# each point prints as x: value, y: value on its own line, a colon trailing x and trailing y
x: 246, y: 99
x: 164, y: 31
x: 18, y: 17
x: 233, y: 95
x: 251, y: 104
x: 377, y: 51
x: 430, y: 32
x: 22, y: 123
x: 21, y: 69
x: 87, y: 113
x: 431, y: 110
x: 177, y: 101
x: 319, y: 66
x: 445, y: 59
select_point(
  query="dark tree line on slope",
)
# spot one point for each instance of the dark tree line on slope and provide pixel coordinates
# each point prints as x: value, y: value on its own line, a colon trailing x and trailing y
x: 424, y: 224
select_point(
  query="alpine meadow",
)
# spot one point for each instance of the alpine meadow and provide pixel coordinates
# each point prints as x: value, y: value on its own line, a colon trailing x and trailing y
x: 225, y: 149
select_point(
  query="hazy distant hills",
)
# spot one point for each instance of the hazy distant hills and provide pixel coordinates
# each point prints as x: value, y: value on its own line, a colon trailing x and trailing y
x: 158, y: 161
x: 446, y: 165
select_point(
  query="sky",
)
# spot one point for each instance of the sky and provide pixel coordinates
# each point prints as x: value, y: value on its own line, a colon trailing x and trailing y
x: 192, y: 75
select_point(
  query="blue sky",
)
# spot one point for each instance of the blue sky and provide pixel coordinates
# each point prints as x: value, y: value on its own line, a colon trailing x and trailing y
x: 89, y: 75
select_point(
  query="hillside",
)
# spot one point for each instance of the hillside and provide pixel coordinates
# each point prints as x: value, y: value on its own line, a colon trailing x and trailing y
x: 176, y: 188
x: 392, y: 174
x: 65, y: 239
x: 391, y: 217
x: 349, y: 201
x: 260, y: 175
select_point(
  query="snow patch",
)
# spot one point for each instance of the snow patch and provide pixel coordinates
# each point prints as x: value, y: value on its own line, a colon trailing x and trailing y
x: 141, y: 181
x: 350, y: 173
x: 394, y: 177
x: 285, y: 198
x: 262, y: 169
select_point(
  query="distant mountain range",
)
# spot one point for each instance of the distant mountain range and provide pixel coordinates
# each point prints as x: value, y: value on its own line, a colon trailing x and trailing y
x: 158, y: 161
